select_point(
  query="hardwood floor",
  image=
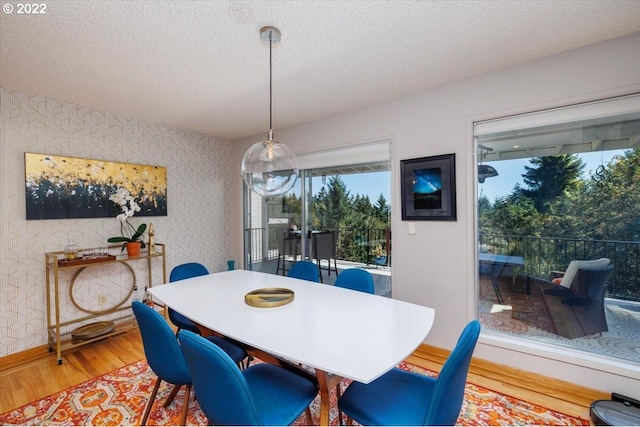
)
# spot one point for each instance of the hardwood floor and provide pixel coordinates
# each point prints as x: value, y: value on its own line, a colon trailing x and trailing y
x: 36, y: 379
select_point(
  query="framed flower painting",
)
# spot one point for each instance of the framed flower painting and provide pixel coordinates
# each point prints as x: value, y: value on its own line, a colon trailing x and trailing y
x: 60, y: 187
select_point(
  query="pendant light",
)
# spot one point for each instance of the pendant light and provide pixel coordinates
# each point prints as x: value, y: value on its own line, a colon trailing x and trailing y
x: 270, y: 168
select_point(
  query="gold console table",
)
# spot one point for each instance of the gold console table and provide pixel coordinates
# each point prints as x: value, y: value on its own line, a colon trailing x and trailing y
x: 55, y: 263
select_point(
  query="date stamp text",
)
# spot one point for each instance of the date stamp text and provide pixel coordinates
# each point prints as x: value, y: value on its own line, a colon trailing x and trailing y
x: 25, y: 8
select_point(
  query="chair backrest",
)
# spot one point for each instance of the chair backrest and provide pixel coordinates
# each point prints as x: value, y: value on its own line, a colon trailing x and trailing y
x: 576, y: 264
x: 222, y: 390
x: 590, y: 283
x: 161, y: 346
x: 186, y: 271
x: 324, y: 245
x: 448, y: 395
x: 305, y: 270
x: 356, y: 279
x: 181, y: 272
x: 290, y: 244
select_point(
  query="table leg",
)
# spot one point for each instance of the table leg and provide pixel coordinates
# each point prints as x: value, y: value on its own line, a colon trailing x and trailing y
x: 324, y: 380
x: 323, y: 384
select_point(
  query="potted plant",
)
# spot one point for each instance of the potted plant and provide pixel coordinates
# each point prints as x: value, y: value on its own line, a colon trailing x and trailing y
x: 131, y: 237
x: 380, y: 254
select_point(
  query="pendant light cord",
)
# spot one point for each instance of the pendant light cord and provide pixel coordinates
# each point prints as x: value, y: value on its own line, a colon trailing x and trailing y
x: 270, y: 86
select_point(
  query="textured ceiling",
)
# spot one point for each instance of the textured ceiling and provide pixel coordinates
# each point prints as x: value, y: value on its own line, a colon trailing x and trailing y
x: 201, y: 65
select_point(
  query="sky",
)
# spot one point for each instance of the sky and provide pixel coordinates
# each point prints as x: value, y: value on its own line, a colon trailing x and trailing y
x: 369, y: 184
x: 510, y: 172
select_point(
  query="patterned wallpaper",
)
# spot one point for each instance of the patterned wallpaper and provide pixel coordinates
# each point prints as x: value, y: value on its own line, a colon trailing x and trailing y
x: 197, y: 227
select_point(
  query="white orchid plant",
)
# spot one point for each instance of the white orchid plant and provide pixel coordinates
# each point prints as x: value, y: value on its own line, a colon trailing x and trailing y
x: 127, y: 204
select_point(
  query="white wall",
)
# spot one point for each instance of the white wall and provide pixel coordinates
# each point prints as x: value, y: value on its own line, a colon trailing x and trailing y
x: 197, y: 227
x: 435, y: 267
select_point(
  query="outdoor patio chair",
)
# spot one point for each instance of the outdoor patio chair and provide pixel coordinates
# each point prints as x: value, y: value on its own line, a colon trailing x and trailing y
x: 288, y: 250
x: 324, y: 247
x: 565, y: 278
x: 579, y: 310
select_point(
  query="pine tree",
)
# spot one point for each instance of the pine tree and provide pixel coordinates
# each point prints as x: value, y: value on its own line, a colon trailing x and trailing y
x: 550, y: 177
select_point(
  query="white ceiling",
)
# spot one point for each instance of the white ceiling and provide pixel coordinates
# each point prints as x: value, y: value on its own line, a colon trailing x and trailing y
x: 201, y: 65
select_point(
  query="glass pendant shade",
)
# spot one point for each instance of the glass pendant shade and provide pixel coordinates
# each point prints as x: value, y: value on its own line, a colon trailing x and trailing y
x: 269, y: 168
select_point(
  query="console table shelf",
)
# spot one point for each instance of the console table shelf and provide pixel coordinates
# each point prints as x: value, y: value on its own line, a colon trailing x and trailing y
x: 55, y: 263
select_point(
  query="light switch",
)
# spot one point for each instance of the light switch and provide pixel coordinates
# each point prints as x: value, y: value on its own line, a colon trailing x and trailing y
x: 412, y: 227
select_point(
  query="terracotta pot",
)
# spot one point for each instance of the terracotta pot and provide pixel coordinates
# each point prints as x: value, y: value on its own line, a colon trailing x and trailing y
x: 133, y: 248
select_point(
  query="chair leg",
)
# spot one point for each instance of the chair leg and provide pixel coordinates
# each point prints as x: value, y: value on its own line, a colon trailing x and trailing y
x: 185, y: 408
x: 308, y: 413
x: 244, y: 363
x: 147, y: 411
x: 172, y: 395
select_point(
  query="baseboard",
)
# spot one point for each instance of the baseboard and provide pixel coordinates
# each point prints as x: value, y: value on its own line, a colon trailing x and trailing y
x: 25, y: 356
x: 533, y: 382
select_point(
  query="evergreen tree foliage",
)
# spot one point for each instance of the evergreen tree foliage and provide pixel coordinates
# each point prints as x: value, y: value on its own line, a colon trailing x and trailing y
x: 609, y: 206
x: 382, y: 209
x: 515, y: 214
x: 333, y: 205
x: 357, y: 221
x: 550, y: 177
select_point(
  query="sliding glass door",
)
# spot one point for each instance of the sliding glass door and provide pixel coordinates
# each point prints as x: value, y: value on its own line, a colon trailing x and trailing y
x: 338, y: 217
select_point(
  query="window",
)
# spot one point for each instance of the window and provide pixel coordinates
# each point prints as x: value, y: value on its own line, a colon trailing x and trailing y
x: 554, y: 187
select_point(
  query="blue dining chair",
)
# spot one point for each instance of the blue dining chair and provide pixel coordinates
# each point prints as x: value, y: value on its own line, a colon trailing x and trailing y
x: 166, y: 358
x: 163, y: 355
x: 181, y: 272
x: 305, y: 270
x: 187, y: 271
x: 262, y: 394
x: 401, y: 397
x: 356, y: 279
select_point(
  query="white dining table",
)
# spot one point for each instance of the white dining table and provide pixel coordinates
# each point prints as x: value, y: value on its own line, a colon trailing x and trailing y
x: 337, y: 332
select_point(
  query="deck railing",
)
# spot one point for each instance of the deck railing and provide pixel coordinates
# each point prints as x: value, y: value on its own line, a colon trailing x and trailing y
x: 361, y: 245
x: 541, y: 254
x: 545, y: 254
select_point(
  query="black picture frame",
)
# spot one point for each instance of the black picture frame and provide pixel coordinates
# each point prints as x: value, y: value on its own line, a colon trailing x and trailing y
x: 429, y: 188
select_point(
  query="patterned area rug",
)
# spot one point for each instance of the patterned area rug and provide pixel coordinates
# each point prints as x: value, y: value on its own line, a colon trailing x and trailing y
x: 119, y: 398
